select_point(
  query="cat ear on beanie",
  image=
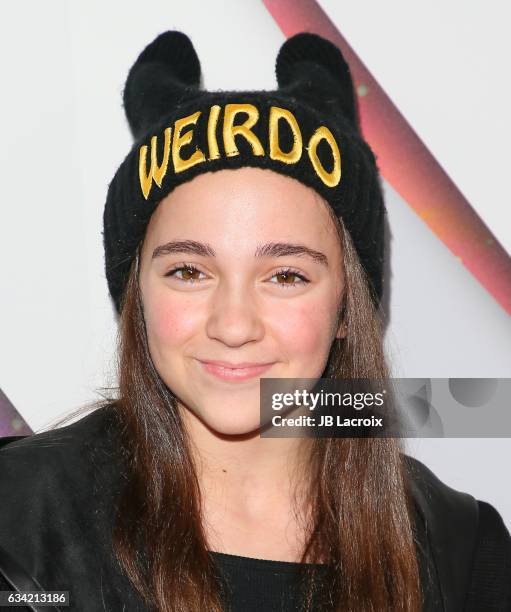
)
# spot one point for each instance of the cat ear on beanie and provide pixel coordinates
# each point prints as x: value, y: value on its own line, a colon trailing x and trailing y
x: 165, y: 72
x: 315, y: 70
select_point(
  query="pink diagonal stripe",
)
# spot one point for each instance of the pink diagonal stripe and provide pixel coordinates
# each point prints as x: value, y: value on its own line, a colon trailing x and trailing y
x: 405, y: 161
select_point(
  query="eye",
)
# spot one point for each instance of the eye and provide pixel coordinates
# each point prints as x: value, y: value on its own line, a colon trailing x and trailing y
x: 288, y: 273
x: 188, y: 273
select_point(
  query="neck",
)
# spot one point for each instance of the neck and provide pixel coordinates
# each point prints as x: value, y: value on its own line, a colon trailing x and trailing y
x: 246, y: 472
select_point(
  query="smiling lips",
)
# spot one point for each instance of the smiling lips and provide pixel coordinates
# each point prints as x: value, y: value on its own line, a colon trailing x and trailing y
x: 239, y: 371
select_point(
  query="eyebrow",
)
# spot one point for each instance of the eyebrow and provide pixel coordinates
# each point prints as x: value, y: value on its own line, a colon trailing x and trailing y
x: 270, y: 249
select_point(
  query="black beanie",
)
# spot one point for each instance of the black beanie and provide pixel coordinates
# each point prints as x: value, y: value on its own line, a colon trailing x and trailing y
x: 307, y: 129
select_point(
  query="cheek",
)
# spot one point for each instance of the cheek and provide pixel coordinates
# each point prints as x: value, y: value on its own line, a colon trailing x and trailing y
x: 307, y: 329
x: 169, y: 320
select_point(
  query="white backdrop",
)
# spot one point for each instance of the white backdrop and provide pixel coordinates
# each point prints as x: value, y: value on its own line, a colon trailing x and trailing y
x: 63, y: 66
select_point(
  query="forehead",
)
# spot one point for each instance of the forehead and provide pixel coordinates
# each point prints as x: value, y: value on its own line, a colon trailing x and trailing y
x: 242, y: 206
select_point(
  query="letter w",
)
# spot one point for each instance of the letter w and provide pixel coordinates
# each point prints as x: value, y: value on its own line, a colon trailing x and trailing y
x: 156, y: 172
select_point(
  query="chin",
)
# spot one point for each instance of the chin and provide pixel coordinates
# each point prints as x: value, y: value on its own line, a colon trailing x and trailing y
x: 228, y: 419
x: 230, y: 428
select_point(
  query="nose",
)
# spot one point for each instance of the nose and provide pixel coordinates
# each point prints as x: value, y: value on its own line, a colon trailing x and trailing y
x: 234, y: 315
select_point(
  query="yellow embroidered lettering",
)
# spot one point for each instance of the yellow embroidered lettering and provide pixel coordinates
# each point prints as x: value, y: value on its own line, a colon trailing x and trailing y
x: 331, y: 179
x: 180, y: 140
x: 214, y: 113
x: 290, y: 157
x: 156, y: 172
x: 230, y: 130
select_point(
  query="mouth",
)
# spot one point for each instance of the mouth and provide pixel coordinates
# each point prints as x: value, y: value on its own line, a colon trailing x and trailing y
x: 240, y: 372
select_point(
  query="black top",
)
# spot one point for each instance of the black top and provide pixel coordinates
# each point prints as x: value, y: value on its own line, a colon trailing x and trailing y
x: 257, y: 585
x: 261, y: 584
x: 56, y: 492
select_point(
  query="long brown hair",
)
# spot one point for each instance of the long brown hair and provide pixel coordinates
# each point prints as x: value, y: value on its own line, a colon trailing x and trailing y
x: 361, y: 522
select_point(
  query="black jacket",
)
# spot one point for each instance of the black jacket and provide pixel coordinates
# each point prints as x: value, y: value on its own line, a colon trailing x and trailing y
x: 58, y: 489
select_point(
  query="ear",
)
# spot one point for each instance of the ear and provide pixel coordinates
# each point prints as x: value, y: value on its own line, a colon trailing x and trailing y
x: 166, y: 71
x: 313, y: 69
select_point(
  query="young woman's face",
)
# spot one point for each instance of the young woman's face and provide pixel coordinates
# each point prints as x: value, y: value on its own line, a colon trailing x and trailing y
x: 239, y: 266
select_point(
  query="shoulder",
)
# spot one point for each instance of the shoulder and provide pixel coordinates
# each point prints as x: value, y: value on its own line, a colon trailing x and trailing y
x: 59, y: 461
x: 464, y: 537
x: 59, y: 491
x: 434, y: 499
x: 92, y: 426
x: 35, y: 459
x: 490, y: 584
x: 56, y: 466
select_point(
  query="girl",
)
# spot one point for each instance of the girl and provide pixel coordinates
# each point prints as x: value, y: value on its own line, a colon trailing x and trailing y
x: 243, y: 240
